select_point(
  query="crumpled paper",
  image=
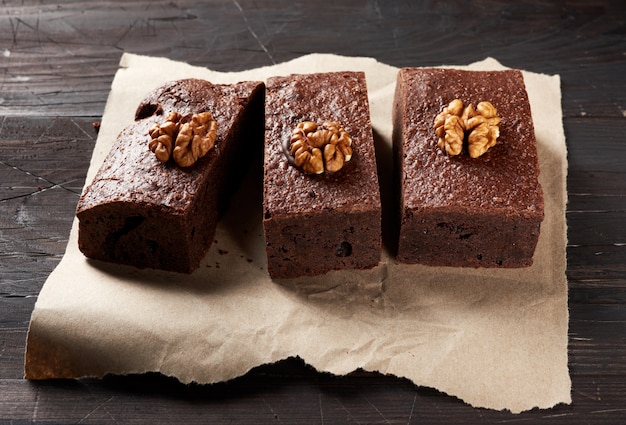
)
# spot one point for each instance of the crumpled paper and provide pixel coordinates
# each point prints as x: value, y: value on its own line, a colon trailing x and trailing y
x: 493, y: 338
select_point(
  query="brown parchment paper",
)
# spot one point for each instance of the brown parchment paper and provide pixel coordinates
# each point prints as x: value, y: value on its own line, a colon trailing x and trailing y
x: 493, y: 338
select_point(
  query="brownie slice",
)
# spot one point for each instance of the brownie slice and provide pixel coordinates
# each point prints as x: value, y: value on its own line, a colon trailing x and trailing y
x: 458, y: 210
x: 315, y: 223
x: 146, y: 213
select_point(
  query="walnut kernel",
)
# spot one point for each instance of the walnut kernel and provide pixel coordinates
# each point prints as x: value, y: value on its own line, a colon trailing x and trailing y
x: 455, y: 122
x: 186, y: 139
x: 320, y: 148
x: 163, y: 137
x: 195, y: 138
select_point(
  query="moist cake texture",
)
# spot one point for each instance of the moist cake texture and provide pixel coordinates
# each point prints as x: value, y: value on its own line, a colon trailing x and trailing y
x: 458, y: 210
x: 317, y: 223
x: 146, y: 213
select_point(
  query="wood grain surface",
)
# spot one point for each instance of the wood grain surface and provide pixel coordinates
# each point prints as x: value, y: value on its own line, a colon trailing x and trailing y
x: 57, y: 62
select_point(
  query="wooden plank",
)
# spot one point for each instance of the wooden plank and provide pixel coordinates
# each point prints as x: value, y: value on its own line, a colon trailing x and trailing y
x: 60, y: 60
x: 43, y: 162
x: 268, y: 394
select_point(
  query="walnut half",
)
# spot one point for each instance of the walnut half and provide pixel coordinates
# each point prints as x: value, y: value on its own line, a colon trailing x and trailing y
x: 455, y: 122
x: 320, y: 148
x: 184, y: 138
x: 163, y: 137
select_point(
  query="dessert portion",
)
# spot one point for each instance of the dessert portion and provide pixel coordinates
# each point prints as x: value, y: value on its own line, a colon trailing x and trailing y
x: 321, y: 198
x: 156, y: 199
x: 466, y: 169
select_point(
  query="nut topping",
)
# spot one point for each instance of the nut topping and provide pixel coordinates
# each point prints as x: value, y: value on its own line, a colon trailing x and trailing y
x: 320, y: 148
x: 455, y: 122
x: 163, y: 137
x: 195, y: 139
x: 183, y: 138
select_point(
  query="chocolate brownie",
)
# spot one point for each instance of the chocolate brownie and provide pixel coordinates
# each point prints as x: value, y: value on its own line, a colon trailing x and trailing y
x: 151, y: 214
x: 315, y: 223
x: 456, y: 210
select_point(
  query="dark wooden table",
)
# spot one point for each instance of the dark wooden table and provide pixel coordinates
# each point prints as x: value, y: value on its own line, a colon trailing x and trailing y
x: 57, y: 62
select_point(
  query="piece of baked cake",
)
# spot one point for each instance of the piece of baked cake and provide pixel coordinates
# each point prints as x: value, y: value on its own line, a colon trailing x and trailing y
x: 466, y: 168
x: 156, y: 199
x: 321, y: 200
